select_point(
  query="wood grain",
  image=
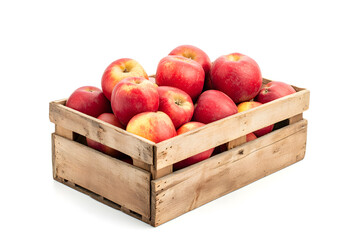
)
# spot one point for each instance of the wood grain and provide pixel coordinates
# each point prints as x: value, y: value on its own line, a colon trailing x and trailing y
x: 102, y: 132
x: 200, y: 183
x: 225, y: 130
x: 108, y: 177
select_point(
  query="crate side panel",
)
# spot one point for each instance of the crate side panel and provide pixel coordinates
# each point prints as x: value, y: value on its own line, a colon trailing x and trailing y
x: 185, y: 145
x: 102, y: 132
x: 111, y: 178
x: 196, y: 185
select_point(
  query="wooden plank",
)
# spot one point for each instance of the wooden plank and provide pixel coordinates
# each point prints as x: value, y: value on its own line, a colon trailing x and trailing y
x: 198, y: 140
x: 205, y: 181
x: 161, y: 172
x: 103, y: 200
x: 111, y: 178
x: 236, y: 142
x: 100, y: 131
x: 155, y: 174
x: 66, y: 133
x: 296, y: 118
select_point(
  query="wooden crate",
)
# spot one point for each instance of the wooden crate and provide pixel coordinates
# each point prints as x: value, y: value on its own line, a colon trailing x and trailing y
x: 149, y: 189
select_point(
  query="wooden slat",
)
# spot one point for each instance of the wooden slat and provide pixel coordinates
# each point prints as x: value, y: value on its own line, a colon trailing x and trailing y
x: 200, y: 183
x: 108, y: 177
x: 214, y: 134
x: 102, y: 132
x: 66, y: 133
x: 155, y: 174
x: 296, y: 118
x: 236, y: 142
x: 103, y: 200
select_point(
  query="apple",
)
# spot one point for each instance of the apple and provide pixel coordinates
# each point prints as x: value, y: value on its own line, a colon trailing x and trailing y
x: 152, y: 79
x: 244, y: 106
x: 274, y: 90
x: 109, y: 118
x: 250, y: 137
x: 117, y: 71
x: 213, y: 105
x: 154, y: 126
x: 208, y: 84
x: 181, y: 72
x: 177, y: 104
x: 237, y: 75
x: 196, y: 158
x: 193, y: 53
x: 199, y: 56
x: 134, y: 95
x: 89, y: 100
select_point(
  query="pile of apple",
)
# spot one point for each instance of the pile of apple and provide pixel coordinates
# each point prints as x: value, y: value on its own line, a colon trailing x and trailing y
x: 189, y: 91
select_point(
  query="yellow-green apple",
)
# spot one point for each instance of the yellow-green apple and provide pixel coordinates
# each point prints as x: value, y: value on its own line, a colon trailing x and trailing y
x: 196, y: 158
x: 181, y: 72
x: 117, y: 71
x: 237, y: 75
x: 177, y: 104
x: 109, y: 118
x: 274, y: 90
x: 196, y: 54
x: 250, y: 137
x: 154, y: 126
x: 213, y: 105
x: 244, y: 106
x: 134, y: 95
x: 89, y: 100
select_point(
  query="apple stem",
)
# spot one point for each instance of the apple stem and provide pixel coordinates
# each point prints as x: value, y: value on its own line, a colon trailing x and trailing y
x: 178, y: 102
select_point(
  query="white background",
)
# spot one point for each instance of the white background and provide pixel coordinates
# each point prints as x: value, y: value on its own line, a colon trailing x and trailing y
x: 50, y: 48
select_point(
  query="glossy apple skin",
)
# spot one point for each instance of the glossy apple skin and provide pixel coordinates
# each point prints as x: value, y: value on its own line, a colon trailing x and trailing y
x: 237, y: 75
x: 117, y: 71
x: 134, y: 95
x: 89, y: 100
x: 195, y: 54
x: 109, y: 118
x: 196, y: 158
x: 154, y: 126
x: 181, y: 72
x: 244, y: 106
x: 177, y: 104
x: 213, y: 105
x: 274, y: 90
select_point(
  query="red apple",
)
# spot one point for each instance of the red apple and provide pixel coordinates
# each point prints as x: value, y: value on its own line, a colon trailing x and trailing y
x: 208, y: 84
x: 250, y: 137
x: 109, y: 118
x: 244, y: 106
x: 181, y: 72
x: 117, y: 71
x: 196, y: 158
x: 134, y: 95
x: 193, y: 53
x: 237, y: 75
x: 177, y: 104
x: 89, y: 100
x: 154, y: 126
x: 274, y: 90
x: 213, y: 105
